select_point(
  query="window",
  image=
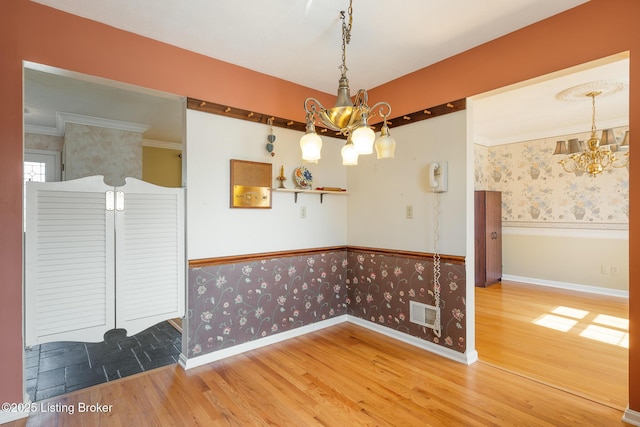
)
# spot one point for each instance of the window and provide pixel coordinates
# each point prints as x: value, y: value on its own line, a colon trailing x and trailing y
x: 41, y: 165
x: 35, y: 171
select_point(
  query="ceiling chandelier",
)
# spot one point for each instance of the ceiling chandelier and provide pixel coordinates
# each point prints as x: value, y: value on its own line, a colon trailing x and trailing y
x: 347, y: 117
x: 599, y: 153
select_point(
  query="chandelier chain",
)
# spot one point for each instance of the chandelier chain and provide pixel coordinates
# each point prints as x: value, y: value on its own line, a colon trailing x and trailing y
x: 346, y: 37
x: 593, y: 112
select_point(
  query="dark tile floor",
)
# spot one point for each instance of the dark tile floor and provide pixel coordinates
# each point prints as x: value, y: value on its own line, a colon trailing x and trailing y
x: 60, y: 367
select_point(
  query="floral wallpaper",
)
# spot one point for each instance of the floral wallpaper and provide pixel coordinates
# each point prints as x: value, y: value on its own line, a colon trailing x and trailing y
x: 95, y: 150
x: 482, y: 168
x: 232, y: 304
x: 43, y: 142
x: 536, y: 189
x: 380, y: 287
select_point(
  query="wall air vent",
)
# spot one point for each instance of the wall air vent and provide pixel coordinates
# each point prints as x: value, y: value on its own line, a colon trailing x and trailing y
x: 423, y: 314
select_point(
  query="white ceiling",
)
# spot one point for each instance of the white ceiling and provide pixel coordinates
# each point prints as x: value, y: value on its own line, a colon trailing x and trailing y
x: 49, y: 90
x: 299, y: 41
x: 532, y: 109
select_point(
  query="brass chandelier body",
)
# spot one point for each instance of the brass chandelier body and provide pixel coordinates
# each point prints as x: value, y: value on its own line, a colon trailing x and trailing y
x: 598, y: 155
x: 348, y: 117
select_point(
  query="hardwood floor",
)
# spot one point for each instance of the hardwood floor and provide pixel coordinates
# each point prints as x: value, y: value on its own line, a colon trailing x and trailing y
x: 572, y: 340
x: 344, y: 375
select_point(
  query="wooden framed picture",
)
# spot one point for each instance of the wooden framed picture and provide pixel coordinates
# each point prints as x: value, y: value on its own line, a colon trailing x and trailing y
x: 250, y: 184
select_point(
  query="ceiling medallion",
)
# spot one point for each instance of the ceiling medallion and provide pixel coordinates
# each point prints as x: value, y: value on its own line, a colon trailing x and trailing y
x: 581, y: 92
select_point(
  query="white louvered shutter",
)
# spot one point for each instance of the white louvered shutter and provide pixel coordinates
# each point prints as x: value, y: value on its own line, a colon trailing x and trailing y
x: 150, y: 262
x: 69, y: 257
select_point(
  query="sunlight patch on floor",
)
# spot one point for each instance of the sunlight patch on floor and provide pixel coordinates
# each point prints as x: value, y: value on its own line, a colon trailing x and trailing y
x: 558, y: 323
x: 614, y: 322
x: 570, y: 312
x: 604, y: 328
x: 606, y: 335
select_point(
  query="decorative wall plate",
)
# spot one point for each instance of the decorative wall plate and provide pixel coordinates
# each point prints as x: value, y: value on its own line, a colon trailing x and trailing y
x: 303, y: 177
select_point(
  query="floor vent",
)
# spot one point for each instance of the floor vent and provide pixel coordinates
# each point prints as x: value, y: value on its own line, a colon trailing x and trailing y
x: 423, y: 314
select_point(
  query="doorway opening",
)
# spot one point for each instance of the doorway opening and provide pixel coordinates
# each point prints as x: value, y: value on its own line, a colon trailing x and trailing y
x: 60, y: 102
x: 560, y: 230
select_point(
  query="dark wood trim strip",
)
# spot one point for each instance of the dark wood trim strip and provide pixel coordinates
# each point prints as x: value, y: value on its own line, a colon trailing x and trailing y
x: 208, y: 262
x: 451, y: 259
x: 429, y: 113
x: 237, y: 113
x: 251, y: 116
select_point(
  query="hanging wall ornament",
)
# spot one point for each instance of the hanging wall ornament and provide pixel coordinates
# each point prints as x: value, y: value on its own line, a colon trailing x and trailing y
x: 271, y: 138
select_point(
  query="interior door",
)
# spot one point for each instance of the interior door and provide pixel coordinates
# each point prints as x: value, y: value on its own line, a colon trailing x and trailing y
x: 99, y: 258
x: 150, y: 261
x: 494, y: 236
x: 69, y: 261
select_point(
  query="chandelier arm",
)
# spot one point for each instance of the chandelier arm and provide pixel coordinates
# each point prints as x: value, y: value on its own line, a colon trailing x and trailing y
x: 361, y: 99
x: 566, y: 169
x: 605, y: 159
x: 312, y: 106
x: 380, y: 106
x: 579, y: 163
x: 624, y: 163
x: 582, y: 162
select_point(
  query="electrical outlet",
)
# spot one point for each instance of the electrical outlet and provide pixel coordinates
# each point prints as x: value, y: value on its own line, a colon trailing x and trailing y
x: 303, y: 211
x: 604, y: 269
x: 409, y: 211
x: 615, y: 269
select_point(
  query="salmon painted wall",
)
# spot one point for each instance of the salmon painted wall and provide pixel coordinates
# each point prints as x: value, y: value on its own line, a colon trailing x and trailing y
x: 32, y: 32
x: 36, y: 33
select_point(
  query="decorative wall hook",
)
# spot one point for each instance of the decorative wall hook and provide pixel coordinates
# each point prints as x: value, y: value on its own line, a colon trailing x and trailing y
x: 271, y: 138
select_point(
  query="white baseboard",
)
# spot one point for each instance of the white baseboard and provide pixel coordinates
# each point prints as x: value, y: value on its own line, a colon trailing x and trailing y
x: 259, y: 343
x: 631, y: 417
x: 568, y: 286
x: 8, y: 416
x: 465, y: 358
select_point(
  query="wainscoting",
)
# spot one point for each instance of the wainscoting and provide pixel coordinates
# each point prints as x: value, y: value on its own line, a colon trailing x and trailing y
x: 234, y: 301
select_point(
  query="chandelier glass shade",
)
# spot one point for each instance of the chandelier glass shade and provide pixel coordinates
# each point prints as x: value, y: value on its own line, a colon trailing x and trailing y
x: 349, y: 153
x: 311, y: 144
x: 347, y: 116
x: 599, y: 154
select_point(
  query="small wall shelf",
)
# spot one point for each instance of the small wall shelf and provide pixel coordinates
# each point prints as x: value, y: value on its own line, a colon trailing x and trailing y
x: 296, y: 191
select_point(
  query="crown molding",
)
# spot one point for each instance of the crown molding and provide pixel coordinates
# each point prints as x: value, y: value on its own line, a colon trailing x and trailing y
x: 161, y: 144
x: 42, y: 130
x: 63, y: 118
